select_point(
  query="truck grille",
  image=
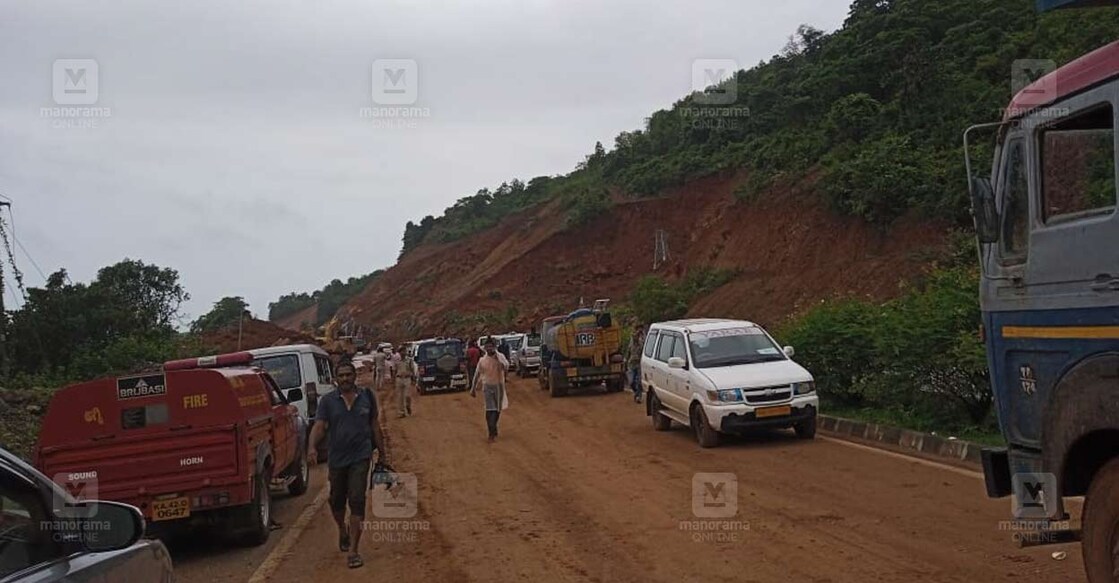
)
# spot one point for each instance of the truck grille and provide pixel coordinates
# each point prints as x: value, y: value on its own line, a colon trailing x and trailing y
x: 768, y: 394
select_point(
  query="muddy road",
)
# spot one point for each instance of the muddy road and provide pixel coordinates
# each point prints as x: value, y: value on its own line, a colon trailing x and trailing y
x: 583, y: 489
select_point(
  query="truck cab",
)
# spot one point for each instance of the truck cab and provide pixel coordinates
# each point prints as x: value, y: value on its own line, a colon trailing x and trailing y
x: 1049, y: 248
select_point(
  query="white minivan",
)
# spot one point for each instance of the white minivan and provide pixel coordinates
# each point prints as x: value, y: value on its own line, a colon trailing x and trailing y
x: 724, y: 376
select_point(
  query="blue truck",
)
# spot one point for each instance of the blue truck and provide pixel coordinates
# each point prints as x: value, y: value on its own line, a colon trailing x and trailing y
x: 1049, y: 246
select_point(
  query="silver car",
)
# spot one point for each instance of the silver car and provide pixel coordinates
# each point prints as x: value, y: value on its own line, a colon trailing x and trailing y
x: 47, y: 536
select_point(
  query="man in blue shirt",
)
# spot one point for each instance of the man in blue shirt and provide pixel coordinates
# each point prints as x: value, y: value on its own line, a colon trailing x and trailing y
x: 348, y: 417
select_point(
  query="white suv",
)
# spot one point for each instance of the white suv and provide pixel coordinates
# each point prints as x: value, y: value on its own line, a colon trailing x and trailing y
x: 724, y: 376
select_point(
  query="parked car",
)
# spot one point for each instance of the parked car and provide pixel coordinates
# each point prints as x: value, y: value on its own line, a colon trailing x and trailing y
x: 724, y: 376
x: 526, y: 359
x: 299, y: 367
x: 47, y: 535
x: 201, y: 441
x: 441, y: 363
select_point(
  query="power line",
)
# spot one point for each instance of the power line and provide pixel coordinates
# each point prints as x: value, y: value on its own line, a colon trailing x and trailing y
x: 29, y: 257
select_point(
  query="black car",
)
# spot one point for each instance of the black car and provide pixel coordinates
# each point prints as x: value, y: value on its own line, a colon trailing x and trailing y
x: 441, y: 364
x: 46, y: 535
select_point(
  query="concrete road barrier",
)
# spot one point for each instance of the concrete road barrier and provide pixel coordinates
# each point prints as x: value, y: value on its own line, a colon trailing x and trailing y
x: 925, y: 443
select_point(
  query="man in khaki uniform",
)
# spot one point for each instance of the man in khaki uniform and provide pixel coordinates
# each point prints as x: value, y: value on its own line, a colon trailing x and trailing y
x: 403, y: 378
x: 380, y: 368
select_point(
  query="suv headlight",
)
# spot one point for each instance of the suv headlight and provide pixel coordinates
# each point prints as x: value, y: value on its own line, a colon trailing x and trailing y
x: 804, y: 388
x: 725, y: 396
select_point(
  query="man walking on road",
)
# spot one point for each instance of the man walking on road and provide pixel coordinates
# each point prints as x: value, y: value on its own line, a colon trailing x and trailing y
x: 473, y: 355
x: 379, y: 368
x: 491, y: 375
x: 348, y: 418
x: 402, y: 379
x: 633, y: 359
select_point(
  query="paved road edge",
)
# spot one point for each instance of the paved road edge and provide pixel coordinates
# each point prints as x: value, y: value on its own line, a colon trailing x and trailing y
x: 272, y: 562
x: 904, y: 439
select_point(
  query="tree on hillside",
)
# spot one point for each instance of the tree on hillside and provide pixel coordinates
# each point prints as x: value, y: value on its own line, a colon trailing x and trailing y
x: 124, y: 316
x: 227, y: 311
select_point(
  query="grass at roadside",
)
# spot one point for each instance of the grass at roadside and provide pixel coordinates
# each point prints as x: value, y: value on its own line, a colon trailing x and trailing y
x: 980, y: 435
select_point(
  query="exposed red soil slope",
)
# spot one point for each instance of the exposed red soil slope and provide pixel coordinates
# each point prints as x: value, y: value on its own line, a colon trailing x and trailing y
x: 300, y: 320
x: 254, y: 334
x: 788, y: 249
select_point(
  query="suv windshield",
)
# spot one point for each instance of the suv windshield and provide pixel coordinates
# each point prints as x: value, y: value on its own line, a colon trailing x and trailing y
x: 514, y: 343
x: 732, y: 346
x: 434, y: 350
x: 533, y: 340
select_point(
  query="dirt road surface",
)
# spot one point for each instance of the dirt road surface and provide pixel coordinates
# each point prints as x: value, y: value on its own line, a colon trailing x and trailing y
x: 583, y: 489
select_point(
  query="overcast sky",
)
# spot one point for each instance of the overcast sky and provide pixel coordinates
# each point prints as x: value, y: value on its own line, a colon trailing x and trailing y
x: 236, y: 151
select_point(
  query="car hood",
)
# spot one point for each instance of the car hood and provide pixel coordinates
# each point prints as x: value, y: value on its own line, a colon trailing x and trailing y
x: 761, y: 374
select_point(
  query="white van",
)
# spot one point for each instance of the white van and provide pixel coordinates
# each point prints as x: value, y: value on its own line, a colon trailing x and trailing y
x: 299, y: 366
x: 724, y: 376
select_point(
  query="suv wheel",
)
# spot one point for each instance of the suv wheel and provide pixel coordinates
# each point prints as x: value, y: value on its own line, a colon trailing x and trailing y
x: 660, y: 422
x: 806, y: 429
x: 704, y: 434
x: 1101, y: 525
x: 302, y: 479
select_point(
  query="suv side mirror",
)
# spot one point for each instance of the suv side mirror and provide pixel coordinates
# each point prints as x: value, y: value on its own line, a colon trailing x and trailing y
x: 115, y: 526
x: 295, y: 395
x: 983, y: 209
x: 677, y: 362
x: 789, y: 352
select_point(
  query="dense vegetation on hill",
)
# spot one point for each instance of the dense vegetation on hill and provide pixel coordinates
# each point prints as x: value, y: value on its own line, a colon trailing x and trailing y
x: 329, y: 298
x: 877, y: 106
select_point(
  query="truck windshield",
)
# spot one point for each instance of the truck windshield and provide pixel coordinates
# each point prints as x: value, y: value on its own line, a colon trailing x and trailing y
x: 732, y: 346
x: 514, y: 343
x: 283, y: 368
x: 433, y: 351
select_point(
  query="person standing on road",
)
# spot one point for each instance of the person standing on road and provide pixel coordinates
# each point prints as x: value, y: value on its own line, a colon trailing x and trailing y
x: 348, y: 419
x: 402, y: 379
x: 380, y: 371
x: 473, y: 355
x: 633, y: 359
x: 491, y: 376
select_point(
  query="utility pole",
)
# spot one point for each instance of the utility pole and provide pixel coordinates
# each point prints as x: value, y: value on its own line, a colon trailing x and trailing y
x: 5, y: 364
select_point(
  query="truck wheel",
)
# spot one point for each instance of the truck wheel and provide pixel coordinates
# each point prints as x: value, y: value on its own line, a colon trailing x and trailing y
x: 806, y: 429
x: 660, y: 422
x: 706, y: 436
x: 258, y: 517
x: 556, y: 391
x: 614, y: 385
x: 302, y: 479
x: 1101, y: 525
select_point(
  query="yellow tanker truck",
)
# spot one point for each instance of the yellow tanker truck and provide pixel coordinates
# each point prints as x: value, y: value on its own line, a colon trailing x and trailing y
x: 581, y: 349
